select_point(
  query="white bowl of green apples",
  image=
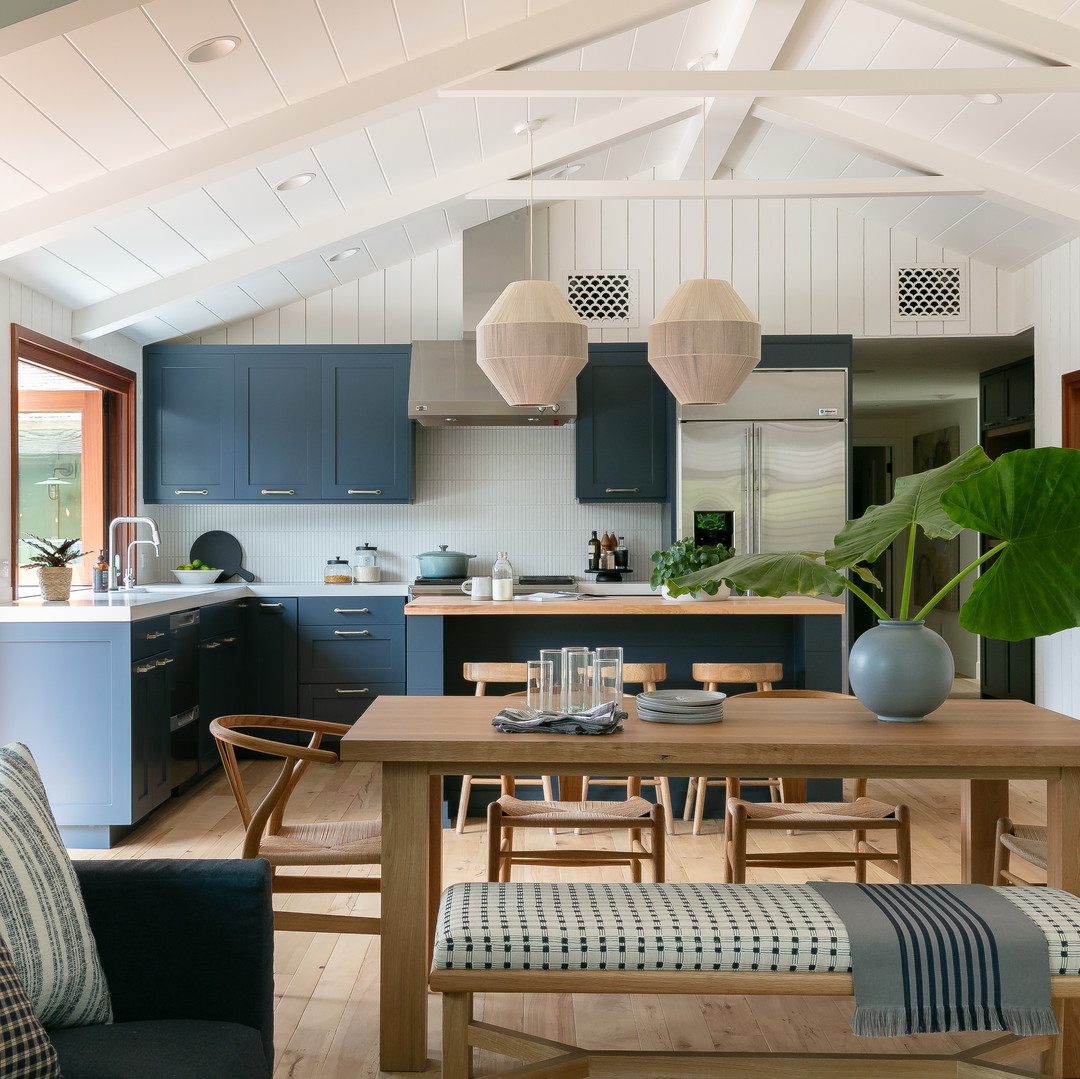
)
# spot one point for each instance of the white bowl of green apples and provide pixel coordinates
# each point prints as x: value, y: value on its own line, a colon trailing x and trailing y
x: 196, y: 572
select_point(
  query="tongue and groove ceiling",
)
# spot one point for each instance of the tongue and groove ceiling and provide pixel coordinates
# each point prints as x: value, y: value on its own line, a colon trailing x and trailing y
x: 139, y: 189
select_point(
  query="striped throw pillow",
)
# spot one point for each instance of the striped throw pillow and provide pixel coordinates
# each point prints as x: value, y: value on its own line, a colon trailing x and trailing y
x: 25, y: 1049
x: 42, y: 914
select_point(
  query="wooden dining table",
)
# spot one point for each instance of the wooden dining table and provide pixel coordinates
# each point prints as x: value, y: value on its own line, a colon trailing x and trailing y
x: 419, y: 739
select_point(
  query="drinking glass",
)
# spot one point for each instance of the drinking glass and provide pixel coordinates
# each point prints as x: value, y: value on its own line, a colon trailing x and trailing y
x: 607, y: 677
x: 538, y: 684
x: 554, y: 657
x: 577, y: 679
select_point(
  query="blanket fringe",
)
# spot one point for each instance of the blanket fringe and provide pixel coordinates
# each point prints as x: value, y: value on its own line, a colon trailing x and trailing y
x: 873, y: 1022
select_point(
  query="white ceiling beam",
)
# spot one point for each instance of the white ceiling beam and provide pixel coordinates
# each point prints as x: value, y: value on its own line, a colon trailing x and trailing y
x: 1027, y: 194
x: 59, y: 21
x: 346, y: 230
x: 838, y: 188
x: 1015, y: 30
x: 808, y: 83
x: 341, y: 111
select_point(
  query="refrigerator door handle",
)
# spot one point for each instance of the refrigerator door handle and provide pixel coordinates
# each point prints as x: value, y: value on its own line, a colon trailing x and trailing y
x: 757, y: 488
x: 749, y: 484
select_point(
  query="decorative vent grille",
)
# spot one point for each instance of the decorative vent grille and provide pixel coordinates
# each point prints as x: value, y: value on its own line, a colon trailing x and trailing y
x: 604, y: 298
x: 930, y: 292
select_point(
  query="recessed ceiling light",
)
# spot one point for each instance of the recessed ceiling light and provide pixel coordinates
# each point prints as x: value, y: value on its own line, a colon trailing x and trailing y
x: 346, y: 254
x: 984, y: 98
x: 293, y: 182
x: 212, y: 49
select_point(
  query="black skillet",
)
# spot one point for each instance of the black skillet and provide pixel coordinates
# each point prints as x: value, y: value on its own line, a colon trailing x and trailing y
x: 221, y: 549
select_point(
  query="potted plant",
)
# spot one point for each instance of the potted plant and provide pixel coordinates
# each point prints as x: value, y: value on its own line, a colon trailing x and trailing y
x: 1026, y: 501
x: 685, y: 556
x: 53, y: 565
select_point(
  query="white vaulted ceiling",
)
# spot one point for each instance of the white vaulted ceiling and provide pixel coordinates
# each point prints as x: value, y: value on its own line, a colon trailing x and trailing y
x: 139, y: 188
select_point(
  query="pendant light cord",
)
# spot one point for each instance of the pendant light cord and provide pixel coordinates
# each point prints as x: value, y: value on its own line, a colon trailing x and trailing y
x: 530, y: 199
x: 704, y: 197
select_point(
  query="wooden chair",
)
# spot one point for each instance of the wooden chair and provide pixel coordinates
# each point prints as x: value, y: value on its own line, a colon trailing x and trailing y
x: 285, y: 846
x: 483, y: 674
x: 646, y: 675
x: 858, y: 816
x: 1027, y: 841
x: 635, y: 814
x: 712, y: 676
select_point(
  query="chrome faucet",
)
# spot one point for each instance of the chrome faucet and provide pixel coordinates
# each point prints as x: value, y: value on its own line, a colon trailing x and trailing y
x: 114, y: 555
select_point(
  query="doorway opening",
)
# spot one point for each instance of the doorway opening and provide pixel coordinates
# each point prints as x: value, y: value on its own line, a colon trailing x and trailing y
x: 73, y: 452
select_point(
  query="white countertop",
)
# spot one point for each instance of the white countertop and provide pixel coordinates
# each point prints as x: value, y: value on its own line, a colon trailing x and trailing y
x: 157, y: 599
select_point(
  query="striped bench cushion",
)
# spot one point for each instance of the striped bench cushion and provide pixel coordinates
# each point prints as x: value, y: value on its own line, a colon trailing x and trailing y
x: 773, y: 927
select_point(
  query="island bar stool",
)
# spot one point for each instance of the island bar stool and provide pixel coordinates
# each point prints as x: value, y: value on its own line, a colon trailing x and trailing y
x: 712, y: 676
x: 646, y: 675
x: 1026, y: 841
x: 859, y: 816
x: 483, y: 674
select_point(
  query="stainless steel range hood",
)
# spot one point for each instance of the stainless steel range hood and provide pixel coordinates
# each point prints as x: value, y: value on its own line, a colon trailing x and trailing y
x: 447, y: 389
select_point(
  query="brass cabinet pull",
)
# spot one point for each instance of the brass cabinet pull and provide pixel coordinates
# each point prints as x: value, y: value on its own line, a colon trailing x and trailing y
x: 228, y: 640
x: 212, y: 644
x: 271, y: 604
x: 144, y: 670
x: 376, y: 492
x: 621, y: 490
x: 265, y: 492
x: 351, y: 610
x: 152, y: 636
x: 345, y: 692
x: 352, y: 632
x: 195, y: 492
x: 162, y: 662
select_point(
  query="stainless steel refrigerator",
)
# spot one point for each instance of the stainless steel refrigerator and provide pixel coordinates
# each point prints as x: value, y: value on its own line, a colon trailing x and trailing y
x: 768, y: 471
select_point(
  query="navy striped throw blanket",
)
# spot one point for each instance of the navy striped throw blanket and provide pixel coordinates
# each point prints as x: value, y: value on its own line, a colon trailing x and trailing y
x: 933, y: 957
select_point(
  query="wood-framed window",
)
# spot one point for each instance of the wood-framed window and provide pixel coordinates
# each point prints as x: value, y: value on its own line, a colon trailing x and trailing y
x: 73, y: 445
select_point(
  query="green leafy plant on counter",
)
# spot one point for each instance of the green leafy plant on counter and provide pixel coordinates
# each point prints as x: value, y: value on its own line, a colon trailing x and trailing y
x: 61, y: 553
x: 685, y: 556
x: 1027, y: 502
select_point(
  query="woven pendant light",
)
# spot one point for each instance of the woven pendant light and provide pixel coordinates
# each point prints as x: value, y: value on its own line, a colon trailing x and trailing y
x: 531, y: 344
x: 705, y: 341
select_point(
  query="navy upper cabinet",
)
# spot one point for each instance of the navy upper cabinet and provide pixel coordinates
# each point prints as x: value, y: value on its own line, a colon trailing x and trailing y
x: 367, y: 449
x: 279, y: 419
x: 188, y: 426
x: 622, y: 430
x: 277, y: 424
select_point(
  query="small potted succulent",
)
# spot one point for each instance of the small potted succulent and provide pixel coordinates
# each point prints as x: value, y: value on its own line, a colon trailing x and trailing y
x: 685, y: 556
x: 53, y: 564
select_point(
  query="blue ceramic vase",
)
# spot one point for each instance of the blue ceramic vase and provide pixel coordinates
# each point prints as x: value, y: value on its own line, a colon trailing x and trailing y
x: 901, y: 670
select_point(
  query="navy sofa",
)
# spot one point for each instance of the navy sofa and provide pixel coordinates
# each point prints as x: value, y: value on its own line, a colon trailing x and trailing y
x: 187, y: 947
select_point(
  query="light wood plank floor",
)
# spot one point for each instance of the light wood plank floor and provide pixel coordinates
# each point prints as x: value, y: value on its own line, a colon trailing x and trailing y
x: 327, y: 986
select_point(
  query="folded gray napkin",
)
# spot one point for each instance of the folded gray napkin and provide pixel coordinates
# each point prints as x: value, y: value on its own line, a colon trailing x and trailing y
x: 603, y: 719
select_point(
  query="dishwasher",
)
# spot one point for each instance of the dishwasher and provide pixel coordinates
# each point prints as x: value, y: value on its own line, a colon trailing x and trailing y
x: 183, y: 698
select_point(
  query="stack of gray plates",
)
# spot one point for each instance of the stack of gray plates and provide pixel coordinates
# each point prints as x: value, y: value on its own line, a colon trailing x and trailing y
x: 681, y: 706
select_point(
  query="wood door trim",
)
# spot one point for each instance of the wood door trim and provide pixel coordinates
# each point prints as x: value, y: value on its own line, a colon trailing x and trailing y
x: 1070, y: 410
x: 27, y: 344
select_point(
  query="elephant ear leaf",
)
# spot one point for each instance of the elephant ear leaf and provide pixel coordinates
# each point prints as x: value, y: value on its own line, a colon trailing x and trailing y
x: 1030, y: 499
x: 772, y: 575
x: 917, y: 501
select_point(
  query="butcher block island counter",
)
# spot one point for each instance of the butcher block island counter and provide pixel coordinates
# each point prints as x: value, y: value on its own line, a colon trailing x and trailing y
x: 623, y: 604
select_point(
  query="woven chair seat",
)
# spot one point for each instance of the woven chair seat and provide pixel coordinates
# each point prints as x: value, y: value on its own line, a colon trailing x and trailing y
x: 606, y: 814
x: 325, y: 843
x: 807, y: 814
x: 1029, y: 842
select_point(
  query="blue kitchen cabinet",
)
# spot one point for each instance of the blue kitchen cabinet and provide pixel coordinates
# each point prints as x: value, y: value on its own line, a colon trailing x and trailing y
x: 623, y: 429
x: 188, y: 424
x: 270, y: 686
x: 222, y: 673
x: 367, y: 436
x: 277, y: 424
x: 149, y: 733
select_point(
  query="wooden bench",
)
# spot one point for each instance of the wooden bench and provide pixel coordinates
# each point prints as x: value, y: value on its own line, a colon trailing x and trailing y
x: 755, y: 939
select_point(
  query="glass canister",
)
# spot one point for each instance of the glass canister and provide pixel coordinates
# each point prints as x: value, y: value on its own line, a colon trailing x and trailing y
x: 337, y: 571
x: 366, y: 564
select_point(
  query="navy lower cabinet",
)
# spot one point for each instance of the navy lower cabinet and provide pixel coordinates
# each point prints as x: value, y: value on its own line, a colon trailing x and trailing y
x: 149, y: 733
x: 349, y: 651
x: 277, y: 424
x: 622, y: 432
x: 271, y: 656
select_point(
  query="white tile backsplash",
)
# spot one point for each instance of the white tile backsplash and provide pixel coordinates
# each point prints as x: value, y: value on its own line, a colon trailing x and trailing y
x: 479, y: 490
